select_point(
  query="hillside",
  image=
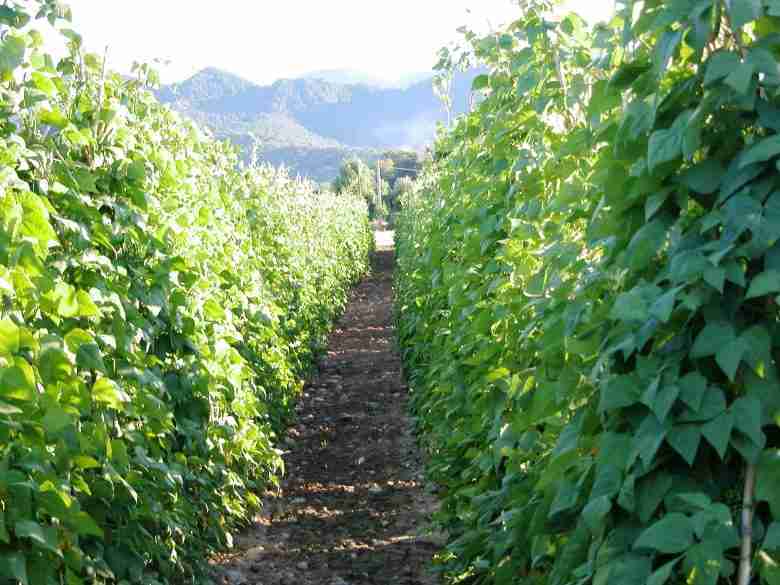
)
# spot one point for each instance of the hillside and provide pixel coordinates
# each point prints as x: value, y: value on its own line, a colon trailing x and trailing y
x: 312, y: 124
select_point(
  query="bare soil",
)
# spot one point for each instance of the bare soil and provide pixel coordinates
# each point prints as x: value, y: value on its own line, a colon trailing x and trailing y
x: 353, y: 509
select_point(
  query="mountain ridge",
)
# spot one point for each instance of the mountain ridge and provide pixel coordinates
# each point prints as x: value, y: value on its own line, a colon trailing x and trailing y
x: 291, y: 116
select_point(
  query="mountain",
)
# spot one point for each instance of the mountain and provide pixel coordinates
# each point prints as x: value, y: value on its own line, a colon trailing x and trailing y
x: 312, y: 124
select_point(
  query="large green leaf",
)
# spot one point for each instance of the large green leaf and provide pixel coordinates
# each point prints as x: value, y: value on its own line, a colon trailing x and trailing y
x: 718, y: 432
x: 763, y: 284
x: 671, y: 534
x: 713, y: 338
x: 720, y: 65
x: 12, y: 52
x: 767, y: 480
x: 685, y: 440
x: 667, y: 145
x: 744, y: 11
x: 17, y: 381
x: 761, y: 151
x: 9, y: 337
x: 108, y: 392
x: 13, y: 566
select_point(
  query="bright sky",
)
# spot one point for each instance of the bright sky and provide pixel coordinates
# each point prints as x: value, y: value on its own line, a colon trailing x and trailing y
x: 264, y: 40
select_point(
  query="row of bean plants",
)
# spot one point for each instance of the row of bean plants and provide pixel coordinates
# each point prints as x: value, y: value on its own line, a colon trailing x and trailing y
x: 588, y: 299
x: 160, y: 304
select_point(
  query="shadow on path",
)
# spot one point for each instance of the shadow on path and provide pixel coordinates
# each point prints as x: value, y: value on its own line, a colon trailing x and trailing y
x: 353, y: 509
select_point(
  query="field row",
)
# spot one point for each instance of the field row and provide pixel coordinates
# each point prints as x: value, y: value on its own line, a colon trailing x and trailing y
x: 588, y: 300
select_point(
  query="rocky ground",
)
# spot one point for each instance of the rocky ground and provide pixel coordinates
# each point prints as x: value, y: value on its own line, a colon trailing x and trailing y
x: 353, y: 509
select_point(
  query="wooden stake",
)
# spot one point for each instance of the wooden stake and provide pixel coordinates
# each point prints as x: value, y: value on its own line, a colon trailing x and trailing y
x: 746, y: 553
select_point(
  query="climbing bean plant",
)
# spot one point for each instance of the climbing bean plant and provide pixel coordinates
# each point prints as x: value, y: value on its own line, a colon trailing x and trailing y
x: 588, y: 285
x: 160, y: 305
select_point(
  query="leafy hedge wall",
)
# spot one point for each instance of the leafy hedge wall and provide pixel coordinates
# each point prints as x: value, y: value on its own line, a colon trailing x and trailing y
x: 159, y: 307
x: 588, y: 301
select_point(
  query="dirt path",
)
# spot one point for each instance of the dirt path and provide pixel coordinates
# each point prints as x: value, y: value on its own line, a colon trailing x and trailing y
x: 353, y: 509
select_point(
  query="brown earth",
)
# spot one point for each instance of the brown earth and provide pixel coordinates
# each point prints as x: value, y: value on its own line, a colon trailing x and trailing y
x: 353, y: 509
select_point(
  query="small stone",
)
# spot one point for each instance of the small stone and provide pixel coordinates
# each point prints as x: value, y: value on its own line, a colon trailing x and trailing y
x: 303, y: 566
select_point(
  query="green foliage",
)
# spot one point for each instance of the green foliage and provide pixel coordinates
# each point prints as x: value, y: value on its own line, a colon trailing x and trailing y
x: 159, y: 307
x: 356, y: 179
x: 588, y: 288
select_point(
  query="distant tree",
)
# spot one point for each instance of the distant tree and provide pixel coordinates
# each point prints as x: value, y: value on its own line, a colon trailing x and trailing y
x: 395, y: 164
x: 357, y: 178
x: 403, y: 187
x: 354, y: 177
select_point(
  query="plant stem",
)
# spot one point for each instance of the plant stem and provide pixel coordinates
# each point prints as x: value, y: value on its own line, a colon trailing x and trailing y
x: 746, y: 553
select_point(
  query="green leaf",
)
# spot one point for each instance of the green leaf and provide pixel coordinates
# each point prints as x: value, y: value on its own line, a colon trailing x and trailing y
x: 86, y: 306
x: 651, y: 491
x: 704, y: 177
x: 89, y: 357
x: 480, y: 82
x: 85, y: 525
x: 565, y: 499
x: 712, y: 338
x: 9, y: 338
x: 730, y: 356
x: 619, y: 392
x: 595, y: 512
x: 685, y: 440
x: 670, y: 535
x: 624, y: 570
x: 44, y: 84
x: 55, y: 365
x: 666, y: 145
x: 718, y: 432
x: 67, y: 300
x: 630, y: 306
x: 740, y: 79
x: 761, y: 151
x: 663, y: 307
x: 764, y: 284
x: 662, y: 575
x: 107, y: 392
x: 18, y: 381
x: 747, y: 448
x: 649, y: 437
x: 13, y: 566
x: 12, y: 51
x: 53, y: 118
x: 704, y: 562
x: 713, y: 405
x: 136, y: 170
x: 747, y: 418
x: 720, y: 65
x: 8, y: 409
x: 772, y: 538
x: 607, y: 482
x: 664, y: 401
x: 43, y: 537
x: 716, y: 278
x: 767, y: 480
x: 55, y: 420
x: 693, y: 387
x: 744, y: 11
x: 646, y: 244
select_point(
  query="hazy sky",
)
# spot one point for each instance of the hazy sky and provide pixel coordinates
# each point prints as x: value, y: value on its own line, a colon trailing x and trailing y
x: 264, y: 40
